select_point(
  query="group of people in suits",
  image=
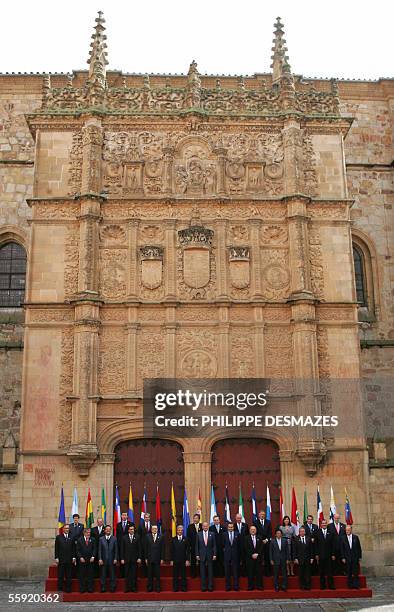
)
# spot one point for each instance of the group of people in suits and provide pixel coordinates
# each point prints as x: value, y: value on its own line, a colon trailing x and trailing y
x: 229, y: 550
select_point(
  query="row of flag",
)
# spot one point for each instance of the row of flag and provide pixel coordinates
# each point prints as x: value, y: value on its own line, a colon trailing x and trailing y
x: 294, y: 514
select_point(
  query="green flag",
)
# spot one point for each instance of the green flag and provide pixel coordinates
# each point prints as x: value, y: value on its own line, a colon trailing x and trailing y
x: 305, y: 506
x: 241, y: 504
x: 103, y: 507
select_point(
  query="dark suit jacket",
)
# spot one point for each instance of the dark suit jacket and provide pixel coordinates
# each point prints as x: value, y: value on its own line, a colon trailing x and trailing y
x: 180, y: 550
x: 86, y: 550
x: 191, y: 535
x: 303, y: 552
x: 308, y: 532
x: 142, y: 531
x: 337, y: 544
x: 94, y: 532
x: 244, y: 529
x: 108, y: 550
x: 206, y: 552
x: 276, y: 555
x: 120, y: 532
x: 218, y: 538
x: 264, y: 531
x: 75, y: 531
x: 131, y: 551
x: 154, y: 551
x: 353, y: 554
x: 249, y: 548
x: 64, y: 549
x: 324, y: 547
x: 232, y: 552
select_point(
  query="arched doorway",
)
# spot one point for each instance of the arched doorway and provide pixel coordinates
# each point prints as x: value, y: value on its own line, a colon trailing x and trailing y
x: 243, y: 461
x: 146, y: 462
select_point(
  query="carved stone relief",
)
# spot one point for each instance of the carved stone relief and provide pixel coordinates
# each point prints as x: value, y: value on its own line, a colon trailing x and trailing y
x: 242, y: 353
x: 151, y: 355
x: 275, y: 273
x: 112, y: 359
x: 66, y: 386
x: 316, y: 262
x: 71, y: 261
x: 151, y: 258
x: 113, y: 273
x: 197, y: 350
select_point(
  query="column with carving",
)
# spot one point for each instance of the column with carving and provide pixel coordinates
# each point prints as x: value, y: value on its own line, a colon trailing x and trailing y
x: 259, y: 341
x: 170, y: 343
x: 132, y: 328
x: 197, y: 466
x: 168, y: 152
x: 256, y: 258
x: 170, y: 259
x: 300, y: 274
x: 224, y: 342
x: 133, y: 282
x: 221, y: 153
x: 221, y: 260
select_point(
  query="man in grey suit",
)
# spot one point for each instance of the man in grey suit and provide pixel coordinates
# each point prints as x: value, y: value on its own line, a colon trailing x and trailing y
x: 279, y: 555
x: 206, y: 555
x: 108, y: 558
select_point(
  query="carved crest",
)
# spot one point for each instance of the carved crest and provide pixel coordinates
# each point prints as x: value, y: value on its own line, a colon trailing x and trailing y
x: 196, y: 241
x: 151, y: 266
x: 239, y: 258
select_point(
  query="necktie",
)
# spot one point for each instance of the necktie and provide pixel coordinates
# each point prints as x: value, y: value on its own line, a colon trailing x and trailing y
x: 280, y: 544
x: 180, y: 538
x: 337, y: 527
x: 217, y: 528
x: 231, y: 538
x: 87, y: 541
x: 107, y: 539
x: 350, y: 541
x: 146, y: 526
x: 196, y: 527
x: 66, y: 536
x: 239, y: 527
x: 131, y: 539
x: 254, y: 541
x: 206, y: 537
x: 303, y: 539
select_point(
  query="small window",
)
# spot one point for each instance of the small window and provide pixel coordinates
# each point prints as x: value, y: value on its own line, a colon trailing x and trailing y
x: 12, y: 275
x: 359, y: 271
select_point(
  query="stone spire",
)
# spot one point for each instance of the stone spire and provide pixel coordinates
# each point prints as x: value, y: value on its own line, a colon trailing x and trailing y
x: 98, y: 61
x: 280, y: 61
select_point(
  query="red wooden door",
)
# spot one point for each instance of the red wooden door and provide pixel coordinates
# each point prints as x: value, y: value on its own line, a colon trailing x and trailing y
x: 150, y: 462
x: 243, y: 461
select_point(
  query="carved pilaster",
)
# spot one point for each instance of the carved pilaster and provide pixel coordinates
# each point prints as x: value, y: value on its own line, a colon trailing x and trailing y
x: 170, y: 343
x: 168, y: 152
x: 133, y: 259
x: 89, y: 219
x: 256, y: 258
x: 107, y: 460
x: 221, y: 153
x: 131, y: 354
x: 170, y: 263
x: 293, y: 155
x: 224, y: 343
x: 221, y: 263
x: 298, y: 249
x: 92, y: 142
x: 259, y: 342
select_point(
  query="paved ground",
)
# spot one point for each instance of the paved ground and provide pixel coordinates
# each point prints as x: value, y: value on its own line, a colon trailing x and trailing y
x: 383, y: 600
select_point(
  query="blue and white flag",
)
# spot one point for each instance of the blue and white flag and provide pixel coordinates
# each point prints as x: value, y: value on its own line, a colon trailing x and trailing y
x: 213, y: 506
x: 254, y: 505
x: 268, y: 506
x: 186, y: 515
x: 74, y: 507
x: 227, y: 510
x: 333, y: 508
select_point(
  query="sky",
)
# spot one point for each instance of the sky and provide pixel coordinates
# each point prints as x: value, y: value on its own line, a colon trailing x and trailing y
x: 343, y: 39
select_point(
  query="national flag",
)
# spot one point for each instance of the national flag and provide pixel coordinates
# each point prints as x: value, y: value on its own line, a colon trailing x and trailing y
x: 130, y: 511
x: 241, y: 505
x: 254, y: 505
x: 117, y: 515
x: 319, y: 508
x: 306, y: 512
x: 282, y: 512
x: 103, y: 506
x: 62, y: 513
x: 173, y: 512
x: 74, y: 507
x: 213, y: 506
x: 158, y: 510
x: 144, y: 507
x: 333, y: 508
x: 89, y: 518
x: 227, y: 510
x: 348, y: 511
x: 295, y: 517
x: 185, y: 513
x: 268, y: 510
x: 199, y: 504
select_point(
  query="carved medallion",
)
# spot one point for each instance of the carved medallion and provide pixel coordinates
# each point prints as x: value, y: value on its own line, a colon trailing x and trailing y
x: 276, y: 276
x: 151, y: 266
x: 198, y: 364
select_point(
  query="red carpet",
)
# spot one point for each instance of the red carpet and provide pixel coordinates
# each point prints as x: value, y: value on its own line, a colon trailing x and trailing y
x: 194, y: 592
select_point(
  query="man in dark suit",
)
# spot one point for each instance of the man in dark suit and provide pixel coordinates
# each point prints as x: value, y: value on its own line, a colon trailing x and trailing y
x: 154, y: 556
x: 303, y: 557
x: 144, y: 528
x: 97, y: 532
x: 76, y: 528
x: 231, y: 554
x: 122, y: 529
x: 64, y: 559
x: 108, y: 558
x: 264, y: 531
x: 279, y: 556
x: 311, y: 530
x: 253, y: 546
x: 243, y: 530
x: 86, y: 547
x: 324, y: 555
x: 351, y: 554
x: 191, y: 535
x: 206, y: 555
x: 180, y: 559
x: 218, y: 530
x: 338, y: 531
x: 130, y: 557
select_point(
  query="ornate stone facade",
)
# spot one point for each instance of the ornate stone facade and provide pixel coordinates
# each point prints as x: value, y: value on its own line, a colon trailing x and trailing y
x: 191, y: 227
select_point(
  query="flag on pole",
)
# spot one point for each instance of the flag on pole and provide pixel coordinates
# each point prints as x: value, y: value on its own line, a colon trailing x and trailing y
x: 306, y: 512
x: 282, y: 512
x: 130, y: 511
x: 143, y: 507
x: 89, y: 518
x: 173, y: 512
x: 103, y: 507
x: 348, y: 511
x: 254, y: 505
x: 241, y: 505
x: 185, y: 513
x: 333, y: 508
x: 227, y: 510
x: 158, y: 510
x: 268, y: 510
x: 213, y: 506
x: 74, y: 507
x: 62, y: 513
x: 117, y: 515
x: 319, y: 508
x: 295, y: 517
x: 199, y: 504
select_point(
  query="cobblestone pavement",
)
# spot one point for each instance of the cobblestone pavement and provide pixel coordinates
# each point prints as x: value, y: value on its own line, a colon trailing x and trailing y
x: 382, y: 601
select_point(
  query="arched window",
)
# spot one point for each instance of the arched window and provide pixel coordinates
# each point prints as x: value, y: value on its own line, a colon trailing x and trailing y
x: 12, y: 275
x: 360, y: 276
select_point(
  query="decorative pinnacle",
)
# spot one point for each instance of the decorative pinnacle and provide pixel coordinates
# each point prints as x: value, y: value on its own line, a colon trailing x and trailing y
x: 98, y: 54
x: 280, y: 61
